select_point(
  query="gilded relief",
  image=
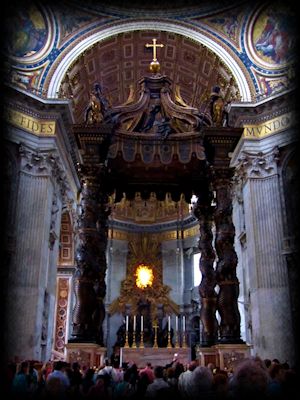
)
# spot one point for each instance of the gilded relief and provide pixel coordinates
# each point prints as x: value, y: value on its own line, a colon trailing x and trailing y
x: 144, y: 251
x: 151, y: 210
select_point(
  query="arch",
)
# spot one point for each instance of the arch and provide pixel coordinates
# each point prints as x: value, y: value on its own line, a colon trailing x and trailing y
x: 199, y: 37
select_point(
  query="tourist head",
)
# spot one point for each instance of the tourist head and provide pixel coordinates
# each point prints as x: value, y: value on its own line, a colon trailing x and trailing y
x: 202, y: 378
x: 75, y: 366
x: 250, y: 380
x: 159, y: 372
x: 192, y: 365
x: 24, y: 367
x: 59, y: 365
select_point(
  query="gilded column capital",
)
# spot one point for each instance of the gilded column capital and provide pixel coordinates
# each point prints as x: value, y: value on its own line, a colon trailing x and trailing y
x: 257, y: 165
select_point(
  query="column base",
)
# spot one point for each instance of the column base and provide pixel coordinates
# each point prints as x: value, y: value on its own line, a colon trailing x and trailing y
x: 229, y: 355
x: 86, y: 354
x: 224, y: 356
x: 206, y: 355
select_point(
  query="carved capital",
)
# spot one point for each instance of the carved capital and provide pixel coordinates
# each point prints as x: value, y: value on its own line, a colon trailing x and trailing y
x: 43, y: 163
x: 33, y: 162
x: 257, y: 165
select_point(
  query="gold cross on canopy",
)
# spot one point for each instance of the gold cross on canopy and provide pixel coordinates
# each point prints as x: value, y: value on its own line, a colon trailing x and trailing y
x: 154, y: 45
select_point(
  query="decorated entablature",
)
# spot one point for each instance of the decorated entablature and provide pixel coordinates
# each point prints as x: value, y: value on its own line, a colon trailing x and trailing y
x: 143, y: 284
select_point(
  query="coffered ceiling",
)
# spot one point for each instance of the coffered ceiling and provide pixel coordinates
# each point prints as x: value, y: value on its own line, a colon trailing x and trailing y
x: 118, y: 63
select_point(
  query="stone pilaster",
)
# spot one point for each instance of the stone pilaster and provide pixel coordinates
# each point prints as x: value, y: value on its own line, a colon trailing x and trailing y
x: 267, y: 271
x: 28, y: 310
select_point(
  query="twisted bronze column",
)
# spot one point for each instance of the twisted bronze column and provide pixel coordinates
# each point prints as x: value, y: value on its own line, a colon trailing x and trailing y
x: 227, y: 260
x: 90, y: 287
x: 203, y: 211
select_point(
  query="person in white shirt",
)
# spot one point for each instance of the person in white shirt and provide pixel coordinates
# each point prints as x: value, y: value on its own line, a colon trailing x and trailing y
x: 58, y: 375
x: 184, y: 380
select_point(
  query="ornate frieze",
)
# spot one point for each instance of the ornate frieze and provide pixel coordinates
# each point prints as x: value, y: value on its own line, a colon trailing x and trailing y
x: 269, y: 127
x: 39, y: 127
x: 149, y: 210
x: 263, y: 118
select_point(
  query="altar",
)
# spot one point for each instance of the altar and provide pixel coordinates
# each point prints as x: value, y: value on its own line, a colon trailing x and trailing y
x: 156, y: 356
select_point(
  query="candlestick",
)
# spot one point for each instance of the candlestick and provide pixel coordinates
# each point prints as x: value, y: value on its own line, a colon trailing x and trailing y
x: 134, y: 323
x: 176, y: 333
x: 126, y: 323
x: 121, y: 358
x: 142, y: 340
x: 142, y: 324
x: 184, y: 340
x: 199, y: 330
x: 176, y: 340
x: 126, y: 340
x: 169, y: 346
x: 133, y: 340
x: 169, y: 323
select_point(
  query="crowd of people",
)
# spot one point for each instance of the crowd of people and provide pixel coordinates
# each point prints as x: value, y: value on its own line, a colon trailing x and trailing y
x: 252, y: 378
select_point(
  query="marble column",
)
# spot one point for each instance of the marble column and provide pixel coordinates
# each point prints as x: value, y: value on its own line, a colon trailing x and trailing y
x: 267, y: 270
x: 227, y: 281
x: 90, y: 257
x: 203, y: 211
x: 41, y: 183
